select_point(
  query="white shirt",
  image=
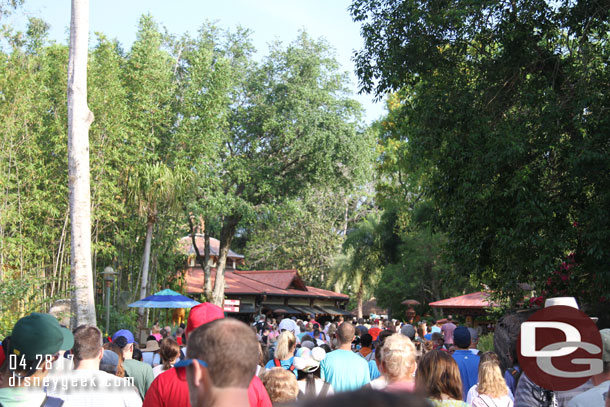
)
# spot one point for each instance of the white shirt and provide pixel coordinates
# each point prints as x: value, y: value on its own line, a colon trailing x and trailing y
x: 93, y: 388
x: 593, y: 397
x: 157, y: 370
x: 319, y: 384
x: 477, y: 399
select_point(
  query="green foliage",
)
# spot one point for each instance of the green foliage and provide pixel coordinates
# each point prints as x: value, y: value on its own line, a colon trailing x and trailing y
x: 486, y: 343
x: 502, y: 105
x: 304, y: 233
x: 119, y: 319
x: 182, y: 124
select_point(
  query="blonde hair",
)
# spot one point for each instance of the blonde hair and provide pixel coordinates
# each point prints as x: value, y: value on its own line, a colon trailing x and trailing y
x: 398, y: 357
x: 281, y: 385
x: 285, y: 344
x: 491, y: 381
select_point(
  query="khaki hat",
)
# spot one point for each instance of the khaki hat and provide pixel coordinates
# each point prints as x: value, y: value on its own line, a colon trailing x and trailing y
x: 151, y: 346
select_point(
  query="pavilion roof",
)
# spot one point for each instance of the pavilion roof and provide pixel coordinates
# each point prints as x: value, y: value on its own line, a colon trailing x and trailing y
x: 474, y: 300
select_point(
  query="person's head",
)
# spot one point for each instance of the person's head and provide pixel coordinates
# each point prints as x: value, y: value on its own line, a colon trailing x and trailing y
x: 379, y: 346
x: 308, y: 361
x: 437, y: 374
x: 286, y: 344
x: 437, y: 339
x: 120, y: 370
x: 366, y: 340
x: 34, y: 338
x: 281, y: 385
x: 474, y: 338
x: 137, y: 354
x: 345, y: 333
x: 169, y: 352
x: 109, y: 362
x: 229, y: 349
x: 461, y: 337
x: 165, y: 332
x: 360, y: 321
x: 202, y: 314
x: 450, y: 318
x: 125, y: 340
x: 409, y: 331
x: 491, y: 381
x: 398, y: 358
x: 87, y: 344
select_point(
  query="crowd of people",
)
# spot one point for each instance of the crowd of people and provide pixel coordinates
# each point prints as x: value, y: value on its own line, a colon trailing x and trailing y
x: 219, y: 361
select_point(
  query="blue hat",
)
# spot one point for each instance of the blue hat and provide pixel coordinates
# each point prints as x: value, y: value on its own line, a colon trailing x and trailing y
x: 408, y: 331
x: 126, y: 333
x: 461, y: 337
x: 109, y: 362
x: 188, y: 362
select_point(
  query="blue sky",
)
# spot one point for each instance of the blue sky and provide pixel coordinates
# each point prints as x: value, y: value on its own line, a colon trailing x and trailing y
x: 268, y: 19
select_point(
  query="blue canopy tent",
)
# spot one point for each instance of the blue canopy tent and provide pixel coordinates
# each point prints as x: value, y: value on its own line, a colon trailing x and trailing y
x: 165, y: 299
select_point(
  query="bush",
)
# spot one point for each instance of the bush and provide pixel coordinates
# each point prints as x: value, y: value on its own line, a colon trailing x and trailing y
x: 118, y: 319
x: 486, y: 343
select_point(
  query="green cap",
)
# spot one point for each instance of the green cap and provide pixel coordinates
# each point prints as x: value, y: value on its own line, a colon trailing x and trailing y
x: 37, y: 335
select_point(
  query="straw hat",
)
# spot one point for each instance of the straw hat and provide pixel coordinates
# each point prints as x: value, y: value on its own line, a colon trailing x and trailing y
x: 151, y: 346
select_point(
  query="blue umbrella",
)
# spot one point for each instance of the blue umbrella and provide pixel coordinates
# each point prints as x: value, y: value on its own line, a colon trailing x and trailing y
x: 165, y: 299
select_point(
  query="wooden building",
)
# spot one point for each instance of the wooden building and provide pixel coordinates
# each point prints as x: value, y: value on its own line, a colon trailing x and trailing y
x: 271, y: 292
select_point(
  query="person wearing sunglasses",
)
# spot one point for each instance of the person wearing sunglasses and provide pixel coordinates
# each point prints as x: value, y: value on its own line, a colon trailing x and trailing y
x: 221, y: 361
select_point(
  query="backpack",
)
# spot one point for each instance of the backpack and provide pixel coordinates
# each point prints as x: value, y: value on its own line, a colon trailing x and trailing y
x: 310, y: 389
x: 277, y: 363
x: 516, y: 374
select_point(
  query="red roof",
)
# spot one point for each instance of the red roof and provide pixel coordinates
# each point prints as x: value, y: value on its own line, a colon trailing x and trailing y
x: 474, y: 300
x: 286, y: 283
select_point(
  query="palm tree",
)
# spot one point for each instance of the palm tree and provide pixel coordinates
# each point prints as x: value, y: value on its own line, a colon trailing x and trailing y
x: 153, y: 188
x: 360, y: 265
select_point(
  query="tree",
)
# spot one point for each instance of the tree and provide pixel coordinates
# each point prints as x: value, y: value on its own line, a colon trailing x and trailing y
x: 305, y: 233
x: 157, y: 188
x: 79, y: 120
x: 293, y: 128
x: 502, y: 105
x: 361, y: 267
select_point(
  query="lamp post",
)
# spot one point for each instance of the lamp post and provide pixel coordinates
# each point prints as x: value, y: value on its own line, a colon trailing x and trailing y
x: 108, y: 274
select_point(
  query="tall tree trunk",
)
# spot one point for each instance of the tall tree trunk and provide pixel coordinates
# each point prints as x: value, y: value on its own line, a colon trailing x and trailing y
x: 227, y: 233
x: 146, y: 260
x: 359, y: 296
x: 204, y: 261
x: 79, y: 120
x: 207, y: 275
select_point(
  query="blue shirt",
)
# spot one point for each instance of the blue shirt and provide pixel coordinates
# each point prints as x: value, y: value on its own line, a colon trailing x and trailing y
x: 468, y: 363
x: 284, y: 363
x: 373, y: 370
x: 345, y: 370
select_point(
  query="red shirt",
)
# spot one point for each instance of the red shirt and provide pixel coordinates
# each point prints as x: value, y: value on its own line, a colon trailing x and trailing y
x: 170, y: 389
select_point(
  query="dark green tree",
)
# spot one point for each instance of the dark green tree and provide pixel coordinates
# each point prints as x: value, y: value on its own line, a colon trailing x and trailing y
x: 294, y: 127
x: 503, y: 107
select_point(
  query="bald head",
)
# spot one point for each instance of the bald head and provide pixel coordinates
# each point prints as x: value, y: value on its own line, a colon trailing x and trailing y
x: 346, y: 333
x: 230, y: 349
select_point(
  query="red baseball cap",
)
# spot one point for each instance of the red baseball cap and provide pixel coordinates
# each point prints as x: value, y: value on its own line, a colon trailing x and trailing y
x: 202, y: 314
x: 374, y: 332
